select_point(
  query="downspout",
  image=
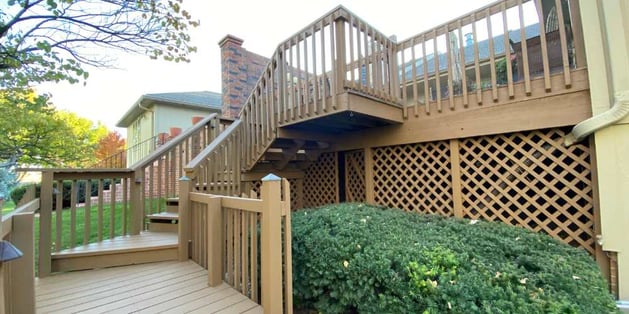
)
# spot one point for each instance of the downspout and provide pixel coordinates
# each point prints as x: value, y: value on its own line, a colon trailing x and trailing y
x: 618, y: 111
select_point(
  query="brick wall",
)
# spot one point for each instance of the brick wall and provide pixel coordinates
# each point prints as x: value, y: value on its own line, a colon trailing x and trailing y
x: 240, y: 71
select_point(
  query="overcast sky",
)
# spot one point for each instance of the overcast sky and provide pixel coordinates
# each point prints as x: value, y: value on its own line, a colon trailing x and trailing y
x: 261, y: 24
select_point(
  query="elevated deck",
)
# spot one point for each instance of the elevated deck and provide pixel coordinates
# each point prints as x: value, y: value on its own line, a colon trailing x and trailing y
x: 125, y: 250
x: 165, y: 287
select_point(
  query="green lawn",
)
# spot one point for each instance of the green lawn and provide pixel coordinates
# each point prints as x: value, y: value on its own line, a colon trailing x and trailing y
x: 7, y: 207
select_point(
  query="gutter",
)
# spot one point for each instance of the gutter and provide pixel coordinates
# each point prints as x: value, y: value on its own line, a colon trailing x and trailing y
x: 617, y: 112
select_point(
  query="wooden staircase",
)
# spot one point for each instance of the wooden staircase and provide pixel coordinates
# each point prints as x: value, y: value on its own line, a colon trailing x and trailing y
x: 290, y: 154
x: 166, y: 221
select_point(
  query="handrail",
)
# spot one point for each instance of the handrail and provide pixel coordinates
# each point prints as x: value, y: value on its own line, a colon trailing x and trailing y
x: 172, y: 143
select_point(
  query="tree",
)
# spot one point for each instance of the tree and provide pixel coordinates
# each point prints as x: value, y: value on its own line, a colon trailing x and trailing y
x: 112, y: 145
x: 37, y: 134
x: 52, y: 40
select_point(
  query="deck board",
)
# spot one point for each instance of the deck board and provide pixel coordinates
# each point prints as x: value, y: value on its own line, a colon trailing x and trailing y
x: 168, y: 287
x: 144, y: 241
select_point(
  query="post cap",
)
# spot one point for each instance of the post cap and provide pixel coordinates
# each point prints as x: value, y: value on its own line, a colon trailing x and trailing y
x: 271, y: 177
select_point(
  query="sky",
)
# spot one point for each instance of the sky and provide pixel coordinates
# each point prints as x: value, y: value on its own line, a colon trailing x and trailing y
x: 109, y: 93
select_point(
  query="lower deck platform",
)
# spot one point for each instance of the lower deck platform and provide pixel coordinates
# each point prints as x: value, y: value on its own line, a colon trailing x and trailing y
x: 145, y: 247
x: 164, y: 287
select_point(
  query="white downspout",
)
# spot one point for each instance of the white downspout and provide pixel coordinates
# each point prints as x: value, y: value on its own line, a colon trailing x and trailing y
x: 619, y: 110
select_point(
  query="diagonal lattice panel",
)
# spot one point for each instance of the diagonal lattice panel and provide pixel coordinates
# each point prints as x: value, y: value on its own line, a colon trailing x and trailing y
x: 321, y: 181
x: 414, y: 177
x: 531, y: 180
x: 355, y: 176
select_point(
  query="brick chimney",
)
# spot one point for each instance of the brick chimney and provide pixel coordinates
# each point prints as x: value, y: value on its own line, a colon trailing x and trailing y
x: 240, y: 71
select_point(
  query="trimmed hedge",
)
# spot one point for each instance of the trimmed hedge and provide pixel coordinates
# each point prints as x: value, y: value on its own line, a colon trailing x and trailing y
x: 351, y: 258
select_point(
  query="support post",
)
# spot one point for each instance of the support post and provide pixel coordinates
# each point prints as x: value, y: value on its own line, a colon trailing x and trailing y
x: 185, y: 187
x: 455, y: 165
x: 45, y: 221
x: 137, y: 204
x: 214, y: 242
x: 22, y: 274
x: 271, y: 244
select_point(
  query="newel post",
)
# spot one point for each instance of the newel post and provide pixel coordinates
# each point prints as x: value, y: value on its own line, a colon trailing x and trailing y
x: 137, y: 203
x: 45, y: 221
x: 271, y: 245
x: 185, y: 187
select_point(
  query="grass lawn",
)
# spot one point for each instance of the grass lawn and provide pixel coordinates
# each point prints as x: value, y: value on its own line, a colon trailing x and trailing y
x: 7, y: 207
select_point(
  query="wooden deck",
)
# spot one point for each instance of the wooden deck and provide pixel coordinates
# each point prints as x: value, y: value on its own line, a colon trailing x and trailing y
x: 125, y: 250
x: 164, y: 287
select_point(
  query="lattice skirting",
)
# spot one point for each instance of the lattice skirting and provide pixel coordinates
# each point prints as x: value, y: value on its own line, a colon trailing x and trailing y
x: 321, y: 181
x: 355, y: 176
x: 525, y: 179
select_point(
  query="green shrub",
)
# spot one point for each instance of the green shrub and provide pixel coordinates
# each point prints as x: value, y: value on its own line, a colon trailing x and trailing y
x: 17, y: 193
x: 359, y: 258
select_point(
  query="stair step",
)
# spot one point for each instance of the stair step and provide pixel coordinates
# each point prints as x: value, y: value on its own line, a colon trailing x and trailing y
x: 163, y: 222
x: 172, y: 204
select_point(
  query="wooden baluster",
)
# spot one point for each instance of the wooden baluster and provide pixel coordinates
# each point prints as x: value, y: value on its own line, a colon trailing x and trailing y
x: 315, y: 84
x: 59, y: 217
x: 427, y: 95
x: 403, y: 81
x: 300, y: 93
x: 492, y: 57
x: 100, y: 211
x: 307, y: 93
x: 437, y: 74
x: 124, y: 182
x: 543, y: 45
x: 325, y: 89
x: 87, y: 212
x: 337, y: 54
x: 450, y: 75
x: 507, y: 51
x: 112, y: 208
x: 291, y: 90
x: 564, y: 45
x: 479, y: 86
x: 73, y: 201
x: 351, y: 52
x: 366, y: 62
x: 253, y: 228
x: 524, y: 52
x: 414, y: 75
x: 462, y: 65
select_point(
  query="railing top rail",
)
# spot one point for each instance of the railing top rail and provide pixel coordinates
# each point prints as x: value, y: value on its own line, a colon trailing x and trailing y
x: 466, y: 18
x: 172, y: 143
x: 28, y: 208
x: 196, y: 161
x: 77, y: 170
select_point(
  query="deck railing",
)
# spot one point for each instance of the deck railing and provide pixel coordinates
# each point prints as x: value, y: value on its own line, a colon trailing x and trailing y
x: 119, y: 159
x: 71, y: 199
x: 496, y: 46
x: 17, y: 285
x: 245, y: 242
x: 334, y: 54
x: 160, y: 171
x: 120, y: 198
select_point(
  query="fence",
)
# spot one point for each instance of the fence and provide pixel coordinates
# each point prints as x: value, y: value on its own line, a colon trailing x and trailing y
x: 246, y: 242
x: 17, y: 277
